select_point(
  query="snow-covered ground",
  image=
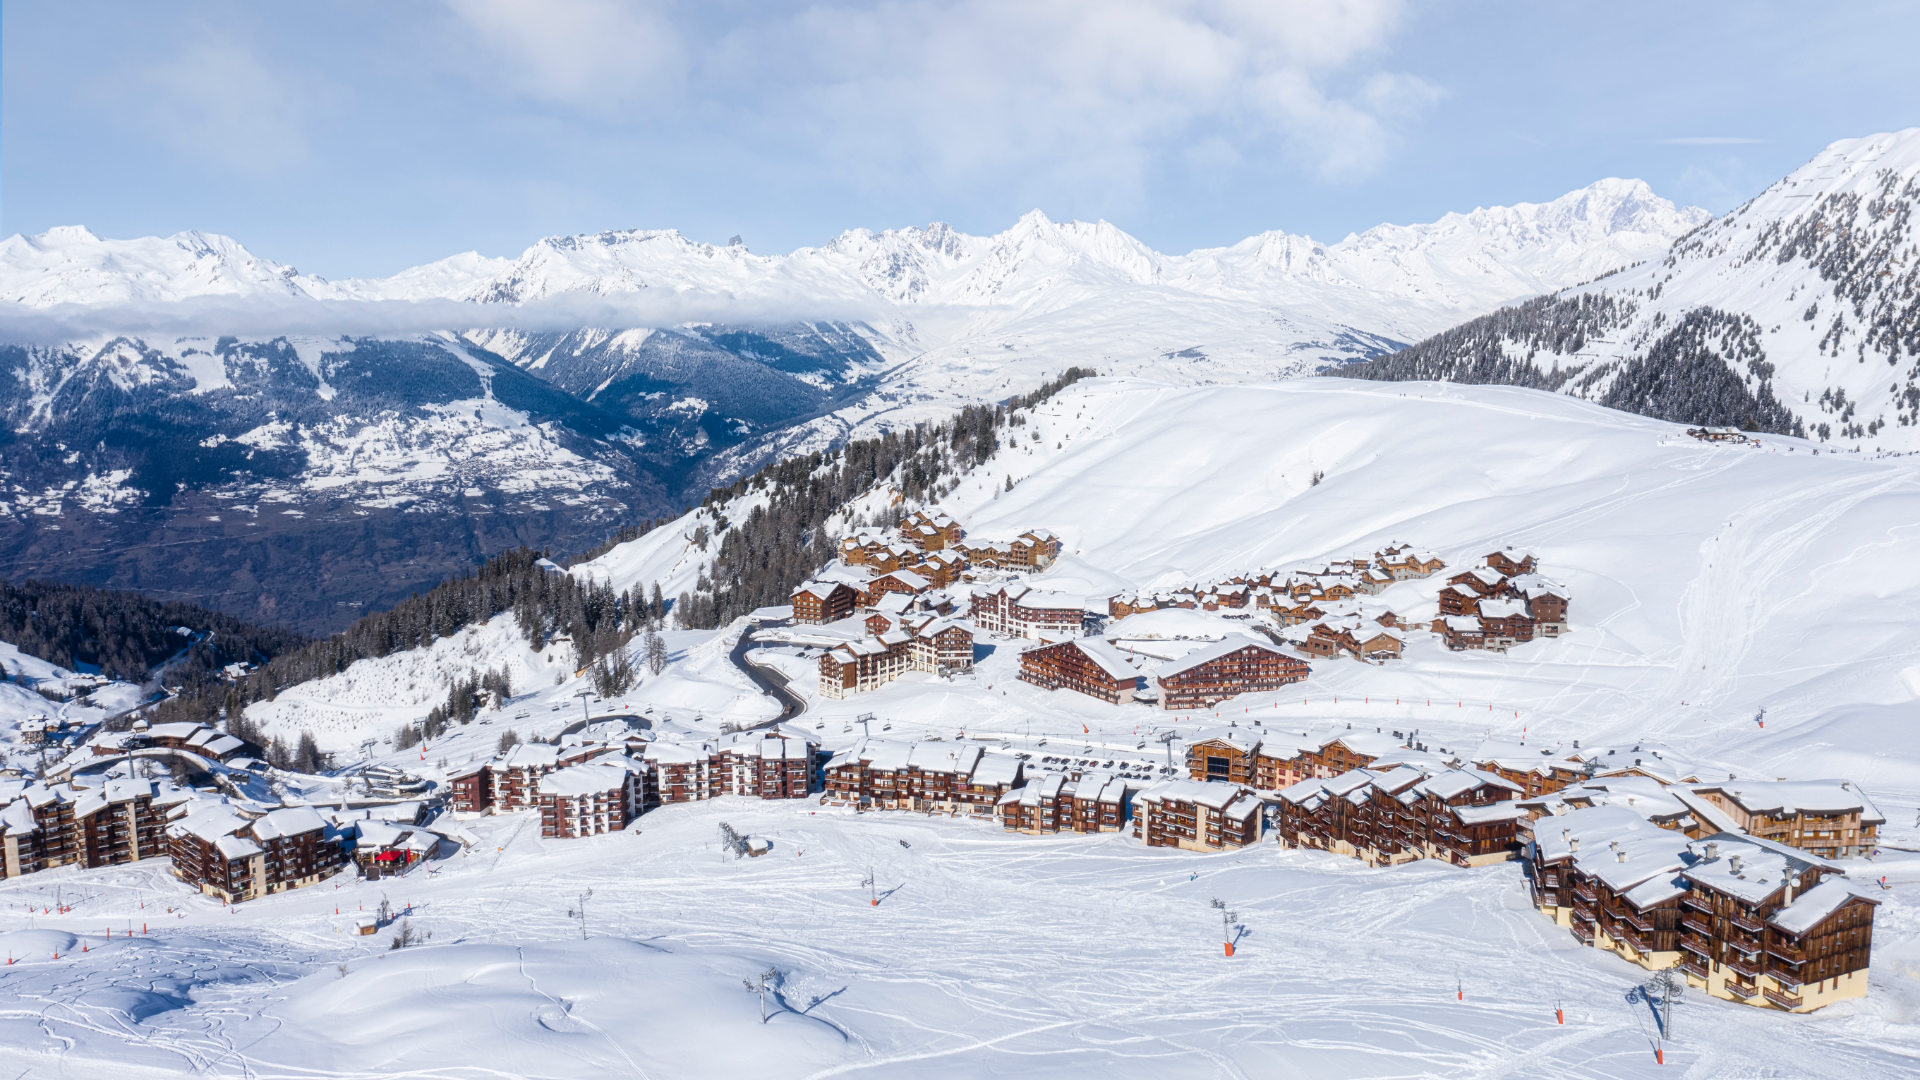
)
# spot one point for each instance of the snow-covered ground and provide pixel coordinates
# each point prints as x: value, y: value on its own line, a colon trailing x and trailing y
x: 987, y: 955
x: 1708, y: 582
x: 20, y: 700
x: 372, y: 699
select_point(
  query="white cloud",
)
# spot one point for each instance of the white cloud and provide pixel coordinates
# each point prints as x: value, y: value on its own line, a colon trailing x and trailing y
x: 593, y: 54
x: 1049, y: 94
x: 216, y: 99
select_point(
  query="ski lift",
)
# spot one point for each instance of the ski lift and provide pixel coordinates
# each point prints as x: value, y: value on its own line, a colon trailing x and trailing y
x: 819, y: 726
x: 888, y: 726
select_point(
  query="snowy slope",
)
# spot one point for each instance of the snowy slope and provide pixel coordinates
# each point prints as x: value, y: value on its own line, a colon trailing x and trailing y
x: 988, y: 955
x: 1708, y: 582
x: 1799, y: 311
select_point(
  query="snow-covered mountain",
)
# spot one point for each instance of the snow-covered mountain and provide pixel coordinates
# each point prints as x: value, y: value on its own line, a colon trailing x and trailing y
x: 596, y: 380
x: 1798, y: 312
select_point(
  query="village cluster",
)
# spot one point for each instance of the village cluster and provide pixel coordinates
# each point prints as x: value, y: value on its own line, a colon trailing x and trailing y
x: 222, y: 841
x: 1733, y: 882
x: 920, y: 595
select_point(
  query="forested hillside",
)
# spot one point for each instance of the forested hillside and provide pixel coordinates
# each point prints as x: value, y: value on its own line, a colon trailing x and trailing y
x: 778, y: 544
x: 127, y: 635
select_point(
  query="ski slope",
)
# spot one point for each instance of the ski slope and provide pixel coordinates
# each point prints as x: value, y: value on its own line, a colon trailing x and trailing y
x: 988, y: 955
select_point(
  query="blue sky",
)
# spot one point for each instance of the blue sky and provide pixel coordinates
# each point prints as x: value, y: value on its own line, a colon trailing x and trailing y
x: 357, y: 138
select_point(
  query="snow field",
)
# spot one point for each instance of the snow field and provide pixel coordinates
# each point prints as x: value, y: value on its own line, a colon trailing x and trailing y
x: 988, y: 954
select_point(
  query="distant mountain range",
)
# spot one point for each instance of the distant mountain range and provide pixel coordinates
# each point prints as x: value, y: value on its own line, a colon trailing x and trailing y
x: 1798, y: 313
x: 189, y: 419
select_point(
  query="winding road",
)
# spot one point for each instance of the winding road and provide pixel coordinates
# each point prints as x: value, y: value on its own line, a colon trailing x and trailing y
x: 771, y: 682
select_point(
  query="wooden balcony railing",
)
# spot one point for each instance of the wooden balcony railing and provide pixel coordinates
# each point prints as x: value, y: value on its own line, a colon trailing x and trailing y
x: 1782, y: 998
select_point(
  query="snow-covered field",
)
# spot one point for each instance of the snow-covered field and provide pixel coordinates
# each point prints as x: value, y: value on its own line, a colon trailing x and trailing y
x: 987, y: 955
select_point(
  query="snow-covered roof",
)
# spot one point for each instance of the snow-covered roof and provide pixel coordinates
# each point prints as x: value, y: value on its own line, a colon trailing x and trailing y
x: 1810, y: 907
x: 589, y: 778
x: 1206, y: 654
x: 288, y: 821
x: 996, y: 769
x: 1762, y: 870
x: 1787, y: 797
x: 1105, y: 655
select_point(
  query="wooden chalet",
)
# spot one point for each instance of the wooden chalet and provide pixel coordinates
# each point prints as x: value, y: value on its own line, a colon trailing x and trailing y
x: 1480, y: 581
x: 903, y: 582
x: 818, y: 602
x: 225, y: 854
x: 1769, y: 925
x: 1226, y: 758
x: 1607, y: 874
x: 1504, y: 623
x: 1404, y: 812
x: 1831, y: 819
x: 1511, y: 562
x: 1056, y: 803
x: 1461, y: 632
x: 1197, y: 815
x: 1237, y: 664
x: 923, y: 642
x: 1089, y: 666
x: 931, y: 529
x: 1455, y: 600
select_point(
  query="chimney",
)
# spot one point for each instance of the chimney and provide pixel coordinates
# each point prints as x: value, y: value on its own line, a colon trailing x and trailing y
x: 1573, y: 844
x: 1733, y: 863
x: 1622, y: 855
x: 1846, y: 785
x: 1713, y: 849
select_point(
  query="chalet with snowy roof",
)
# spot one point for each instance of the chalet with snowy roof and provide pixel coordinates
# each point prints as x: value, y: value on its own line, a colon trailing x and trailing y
x: 1511, y: 562
x: 1608, y: 875
x: 1019, y: 610
x: 1546, y: 602
x: 1403, y: 812
x: 1831, y: 819
x: 383, y: 849
x: 1504, y: 623
x: 1480, y: 581
x: 931, y: 529
x: 819, y: 602
x: 1196, y: 815
x: 1089, y: 666
x: 940, y: 645
x: 114, y: 820
x: 1536, y: 772
x: 1461, y: 632
x: 1772, y: 926
x: 1227, y: 757
x: 1237, y: 664
x: 902, y: 582
x: 510, y: 781
x: 599, y: 796
x: 223, y: 853
x: 194, y: 738
x: 940, y: 568
x: 1053, y: 802
x: 1380, y: 643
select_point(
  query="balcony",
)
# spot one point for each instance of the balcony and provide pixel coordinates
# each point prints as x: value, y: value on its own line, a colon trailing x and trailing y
x: 1631, y: 939
x: 1638, y: 922
x: 1694, y: 945
x: 1782, y: 998
x: 1697, y: 925
x: 1747, y: 922
x: 1697, y: 903
x: 1734, y: 961
x: 1549, y: 881
x: 1693, y: 967
x: 1585, y: 892
x: 1584, y: 932
x: 1739, y: 989
x: 1792, y: 954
